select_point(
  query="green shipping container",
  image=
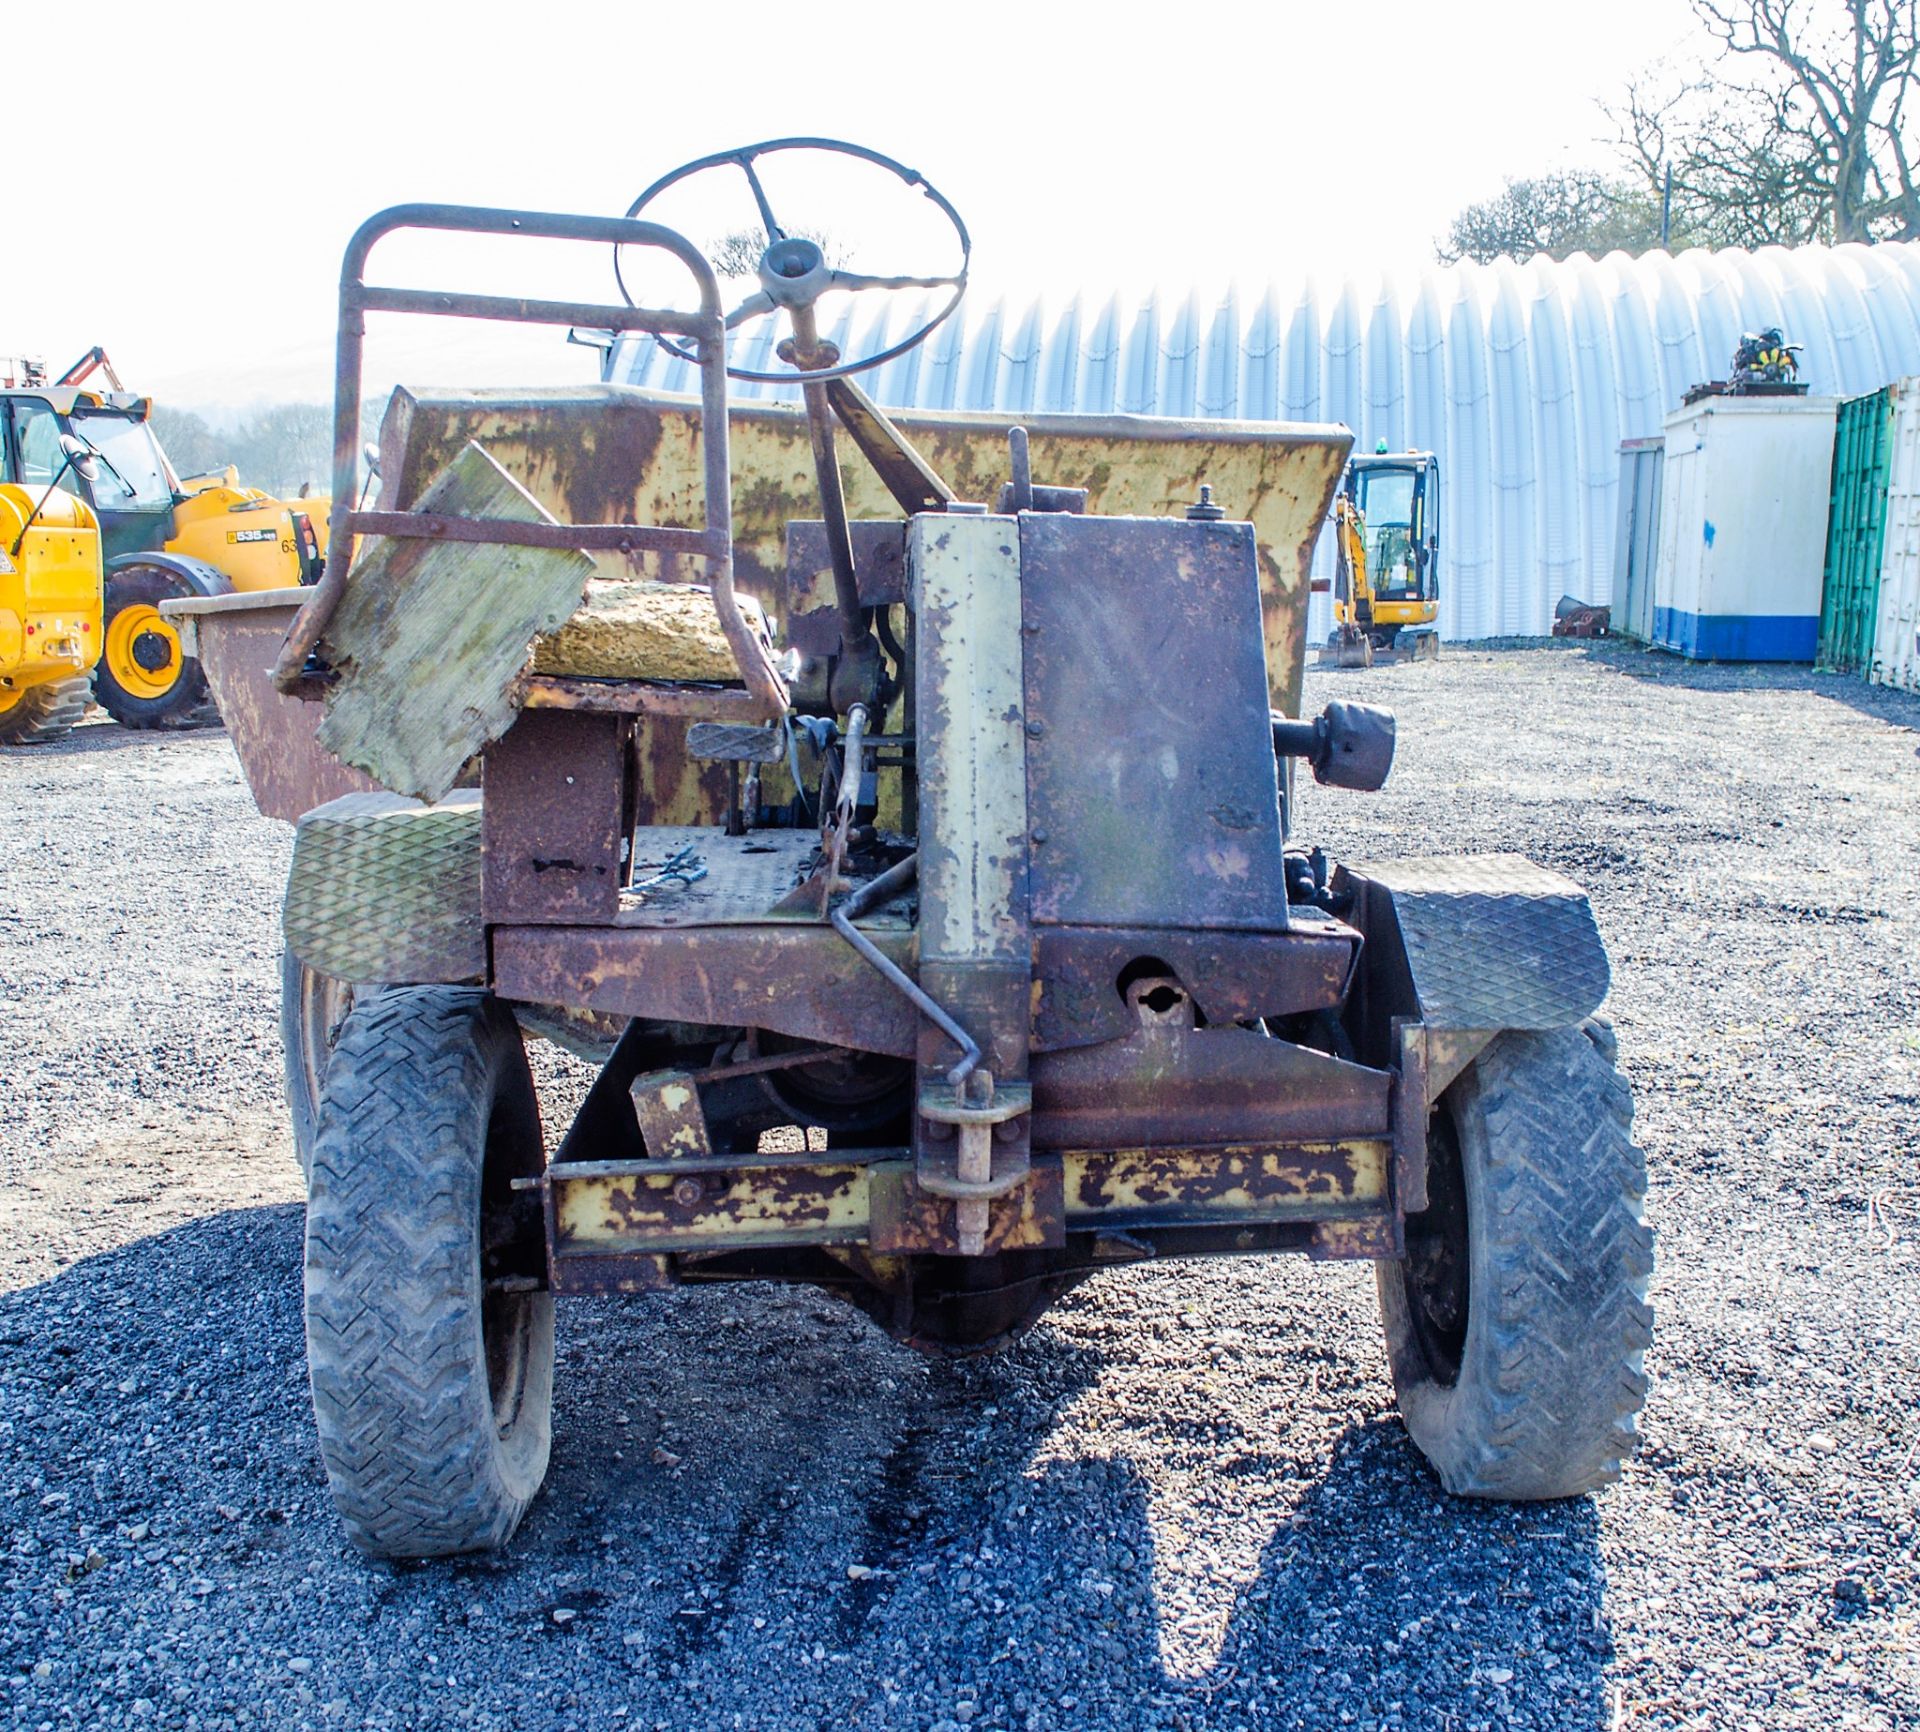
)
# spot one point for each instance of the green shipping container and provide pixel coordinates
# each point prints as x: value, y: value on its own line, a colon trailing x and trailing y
x: 1856, y: 527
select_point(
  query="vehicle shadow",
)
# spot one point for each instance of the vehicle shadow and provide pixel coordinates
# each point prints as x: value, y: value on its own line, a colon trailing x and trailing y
x: 759, y: 1507
x: 102, y: 734
x: 1659, y: 667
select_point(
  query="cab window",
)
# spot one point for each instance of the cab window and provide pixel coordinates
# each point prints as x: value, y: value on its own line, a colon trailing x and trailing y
x: 134, y: 474
x: 35, y: 456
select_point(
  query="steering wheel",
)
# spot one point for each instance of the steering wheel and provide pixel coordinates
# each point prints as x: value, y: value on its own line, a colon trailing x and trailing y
x: 794, y: 273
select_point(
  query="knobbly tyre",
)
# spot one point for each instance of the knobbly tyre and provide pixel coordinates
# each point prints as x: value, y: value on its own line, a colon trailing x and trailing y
x: 975, y: 867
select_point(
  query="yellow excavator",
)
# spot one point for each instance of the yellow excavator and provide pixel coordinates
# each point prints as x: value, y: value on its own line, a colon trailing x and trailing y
x: 49, y: 602
x: 161, y: 536
x: 1386, y: 586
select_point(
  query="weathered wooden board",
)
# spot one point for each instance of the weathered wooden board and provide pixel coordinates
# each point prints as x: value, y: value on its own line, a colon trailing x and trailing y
x: 430, y: 635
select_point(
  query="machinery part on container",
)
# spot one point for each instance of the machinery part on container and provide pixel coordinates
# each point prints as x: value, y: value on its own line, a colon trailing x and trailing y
x: 1347, y: 745
x: 1765, y: 358
x: 429, y: 1339
x: 42, y: 713
x: 313, y: 1008
x: 1517, y: 1321
x: 794, y: 273
x: 145, y: 678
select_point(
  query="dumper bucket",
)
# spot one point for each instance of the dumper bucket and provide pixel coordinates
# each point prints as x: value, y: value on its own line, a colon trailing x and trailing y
x: 614, y: 453
x: 236, y: 638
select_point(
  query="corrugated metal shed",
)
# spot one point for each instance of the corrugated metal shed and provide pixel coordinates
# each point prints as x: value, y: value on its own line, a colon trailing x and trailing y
x: 1523, y: 378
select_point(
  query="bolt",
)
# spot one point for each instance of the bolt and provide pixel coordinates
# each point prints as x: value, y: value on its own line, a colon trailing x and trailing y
x: 1007, y: 1131
x: 1038, y: 836
x: 1035, y: 730
x: 687, y: 1192
x: 937, y: 1130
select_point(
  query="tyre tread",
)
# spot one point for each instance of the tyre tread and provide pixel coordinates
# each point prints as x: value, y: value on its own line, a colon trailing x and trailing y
x: 401, y: 1400
x: 1550, y: 1409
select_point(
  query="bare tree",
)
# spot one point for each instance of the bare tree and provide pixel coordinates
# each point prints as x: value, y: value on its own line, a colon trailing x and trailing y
x: 190, y: 444
x: 1572, y: 211
x: 1802, y: 132
x: 278, y: 449
x: 737, y: 254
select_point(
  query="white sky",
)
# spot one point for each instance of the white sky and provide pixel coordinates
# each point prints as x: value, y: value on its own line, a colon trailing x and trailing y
x: 197, y: 181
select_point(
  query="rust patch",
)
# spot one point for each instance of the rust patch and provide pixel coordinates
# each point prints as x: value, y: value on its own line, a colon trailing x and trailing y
x: 909, y: 1220
x: 1169, y: 1187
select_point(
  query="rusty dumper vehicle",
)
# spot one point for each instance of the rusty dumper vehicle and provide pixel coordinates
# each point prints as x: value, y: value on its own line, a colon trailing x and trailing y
x: 940, y: 937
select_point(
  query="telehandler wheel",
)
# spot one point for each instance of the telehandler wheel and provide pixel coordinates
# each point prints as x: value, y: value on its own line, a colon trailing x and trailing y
x: 1517, y: 1322
x: 432, y: 1384
x: 41, y: 713
x: 313, y: 1007
x: 144, y: 680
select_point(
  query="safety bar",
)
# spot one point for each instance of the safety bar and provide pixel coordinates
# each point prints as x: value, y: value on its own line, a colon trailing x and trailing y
x: 766, y: 690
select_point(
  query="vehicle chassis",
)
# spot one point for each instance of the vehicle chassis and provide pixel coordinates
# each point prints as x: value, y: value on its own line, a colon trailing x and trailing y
x: 1058, y: 998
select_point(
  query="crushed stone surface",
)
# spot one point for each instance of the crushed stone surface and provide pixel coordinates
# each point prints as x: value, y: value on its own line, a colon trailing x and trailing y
x: 1183, y: 1501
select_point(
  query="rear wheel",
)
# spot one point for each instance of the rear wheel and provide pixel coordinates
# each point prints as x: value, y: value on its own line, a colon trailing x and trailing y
x: 145, y: 679
x: 429, y: 1348
x: 313, y: 1007
x: 1517, y: 1322
x: 41, y: 713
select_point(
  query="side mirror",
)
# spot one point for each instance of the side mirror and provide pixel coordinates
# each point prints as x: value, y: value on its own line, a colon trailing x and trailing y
x: 80, y: 457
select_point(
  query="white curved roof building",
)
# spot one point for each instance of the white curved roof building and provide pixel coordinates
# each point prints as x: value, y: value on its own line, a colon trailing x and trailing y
x: 1522, y: 378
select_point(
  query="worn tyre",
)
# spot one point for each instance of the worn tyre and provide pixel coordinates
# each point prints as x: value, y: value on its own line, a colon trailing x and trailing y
x: 42, y: 713
x: 1517, y: 1322
x: 432, y: 1385
x: 145, y: 679
x: 313, y: 1009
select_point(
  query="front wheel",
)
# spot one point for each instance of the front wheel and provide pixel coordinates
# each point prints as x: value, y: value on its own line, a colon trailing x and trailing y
x: 145, y: 679
x: 42, y: 713
x: 429, y: 1339
x: 1517, y: 1321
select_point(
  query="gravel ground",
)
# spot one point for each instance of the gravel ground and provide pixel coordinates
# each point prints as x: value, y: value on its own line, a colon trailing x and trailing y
x: 1184, y: 1501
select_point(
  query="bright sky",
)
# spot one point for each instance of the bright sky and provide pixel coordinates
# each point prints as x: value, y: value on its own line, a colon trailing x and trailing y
x: 197, y: 181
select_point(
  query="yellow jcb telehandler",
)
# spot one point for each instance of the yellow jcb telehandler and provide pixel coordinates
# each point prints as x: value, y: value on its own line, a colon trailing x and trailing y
x: 161, y: 536
x: 1386, y: 587
x: 49, y: 600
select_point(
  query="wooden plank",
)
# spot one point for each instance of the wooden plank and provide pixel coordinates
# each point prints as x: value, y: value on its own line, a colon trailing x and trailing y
x: 430, y: 636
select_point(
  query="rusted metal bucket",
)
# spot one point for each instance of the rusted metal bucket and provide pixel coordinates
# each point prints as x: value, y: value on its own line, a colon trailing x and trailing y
x: 235, y: 638
x: 612, y: 452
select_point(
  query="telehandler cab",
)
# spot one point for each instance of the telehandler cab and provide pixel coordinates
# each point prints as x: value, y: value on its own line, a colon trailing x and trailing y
x: 937, y: 922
